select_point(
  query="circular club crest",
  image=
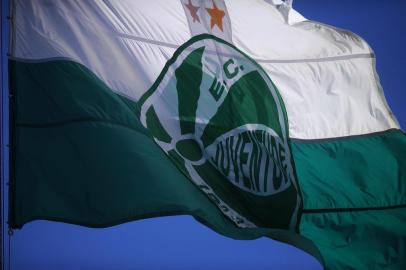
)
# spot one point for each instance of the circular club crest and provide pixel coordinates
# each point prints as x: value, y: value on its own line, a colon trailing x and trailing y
x: 218, y: 116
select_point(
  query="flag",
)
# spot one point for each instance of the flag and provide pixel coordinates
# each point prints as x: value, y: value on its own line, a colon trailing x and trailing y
x: 243, y: 114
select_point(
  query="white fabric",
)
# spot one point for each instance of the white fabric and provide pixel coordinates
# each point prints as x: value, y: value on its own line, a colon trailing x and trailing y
x: 326, y: 76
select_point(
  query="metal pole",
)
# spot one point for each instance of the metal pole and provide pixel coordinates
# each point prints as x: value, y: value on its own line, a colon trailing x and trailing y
x: 1, y: 146
x: 5, y: 237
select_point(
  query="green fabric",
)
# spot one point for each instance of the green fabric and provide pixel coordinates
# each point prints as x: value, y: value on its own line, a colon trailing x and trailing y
x: 81, y: 156
x: 354, y: 192
x: 359, y: 240
x: 365, y: 171
x: 69, y: 129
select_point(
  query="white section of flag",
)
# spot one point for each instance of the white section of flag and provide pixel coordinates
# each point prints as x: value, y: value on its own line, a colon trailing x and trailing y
x: 326, y: 76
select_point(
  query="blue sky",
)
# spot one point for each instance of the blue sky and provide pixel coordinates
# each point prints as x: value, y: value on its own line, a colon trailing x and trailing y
x: 182, y: 243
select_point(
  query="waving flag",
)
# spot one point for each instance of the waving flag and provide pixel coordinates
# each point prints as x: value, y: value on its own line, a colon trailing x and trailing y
x: 243, y: 114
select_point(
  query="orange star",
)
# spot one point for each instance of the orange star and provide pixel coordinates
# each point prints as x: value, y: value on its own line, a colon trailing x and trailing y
x: 193, y: 11
x: 216, y: 16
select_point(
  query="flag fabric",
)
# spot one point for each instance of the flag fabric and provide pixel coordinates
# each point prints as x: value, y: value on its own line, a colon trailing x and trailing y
x: 243, y: 114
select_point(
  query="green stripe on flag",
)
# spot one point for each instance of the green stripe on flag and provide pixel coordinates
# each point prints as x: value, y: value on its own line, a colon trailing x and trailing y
x: 354, y: 194
x: 369, y: 239
x: 83, y: 157
x: 355, y: 172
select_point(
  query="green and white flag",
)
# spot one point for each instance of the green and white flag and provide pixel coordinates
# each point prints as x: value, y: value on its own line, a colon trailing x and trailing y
x: 243, y: 114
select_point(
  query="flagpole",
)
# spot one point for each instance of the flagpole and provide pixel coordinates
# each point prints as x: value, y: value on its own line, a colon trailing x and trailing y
x: 1, y: 146
x: 5, y: 139
x: 10, y: 130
